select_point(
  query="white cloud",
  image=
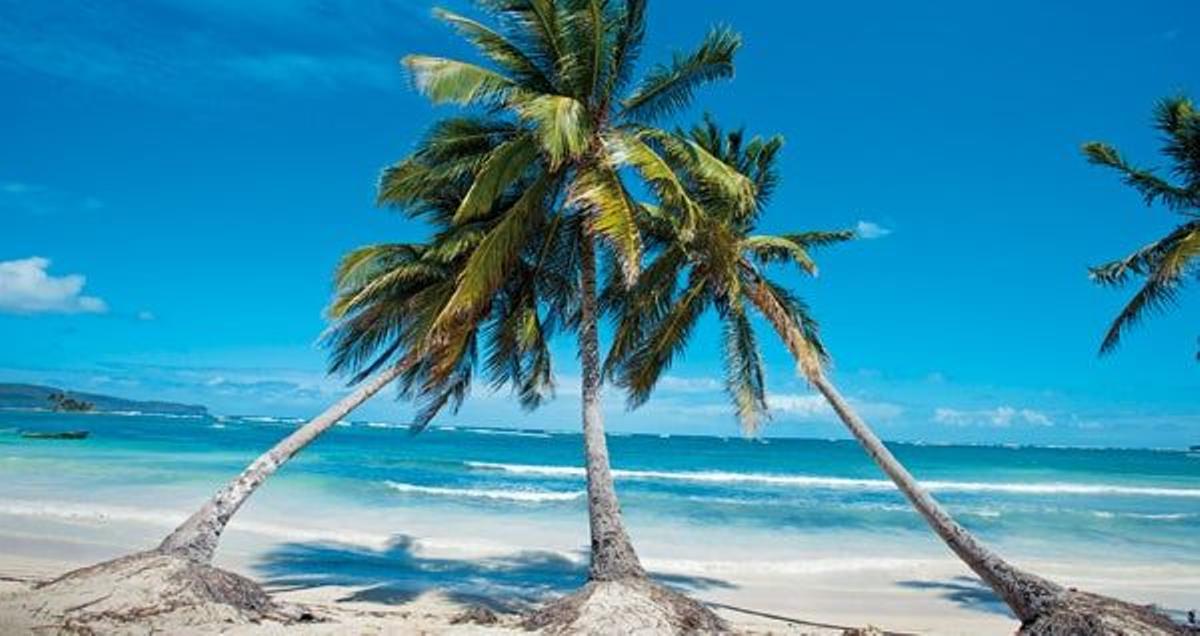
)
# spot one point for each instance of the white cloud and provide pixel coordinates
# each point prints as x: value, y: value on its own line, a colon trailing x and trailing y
x: 26, y: 288
x: 999, y: 417
x: 146, y: 315
x: 812, y: 406
x: 870, y: 230
x: 677, y: 384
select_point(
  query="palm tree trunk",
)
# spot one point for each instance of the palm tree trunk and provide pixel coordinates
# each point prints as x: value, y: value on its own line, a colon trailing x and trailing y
x: 197, y: 537
x: 1025, y: 593
x: 613, y: 556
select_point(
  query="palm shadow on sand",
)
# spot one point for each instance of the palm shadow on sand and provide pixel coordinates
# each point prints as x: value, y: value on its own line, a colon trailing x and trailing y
x: 965, y: 591
x: 396, y: 575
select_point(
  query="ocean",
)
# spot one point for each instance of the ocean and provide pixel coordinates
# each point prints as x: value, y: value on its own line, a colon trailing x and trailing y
x: 775, y: 503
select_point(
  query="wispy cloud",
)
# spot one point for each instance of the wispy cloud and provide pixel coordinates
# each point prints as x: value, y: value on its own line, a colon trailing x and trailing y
x: 999, y: 417
x: 676, y: 384
x: 813, y: 407
x: 871, y: 230
x: 27, y: 288
x: 20, y: 197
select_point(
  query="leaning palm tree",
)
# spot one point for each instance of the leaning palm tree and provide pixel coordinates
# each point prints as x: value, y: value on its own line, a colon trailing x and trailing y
x: 387, y: 297
x: 721, y: 265
x: 1168, y: 262
x: 556, y: 78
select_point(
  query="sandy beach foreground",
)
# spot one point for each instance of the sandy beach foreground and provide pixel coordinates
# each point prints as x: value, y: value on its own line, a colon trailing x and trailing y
x: 923, y: 594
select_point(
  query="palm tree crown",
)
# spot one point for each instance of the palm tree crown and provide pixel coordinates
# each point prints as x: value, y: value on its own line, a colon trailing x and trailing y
x: 723, y: 267
x: 1166, y: 263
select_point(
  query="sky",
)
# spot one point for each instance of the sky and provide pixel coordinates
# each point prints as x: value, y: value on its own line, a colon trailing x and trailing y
x: 178, y: 179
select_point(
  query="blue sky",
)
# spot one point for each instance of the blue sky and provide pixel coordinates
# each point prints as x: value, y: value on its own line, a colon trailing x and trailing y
x: 179, y: 177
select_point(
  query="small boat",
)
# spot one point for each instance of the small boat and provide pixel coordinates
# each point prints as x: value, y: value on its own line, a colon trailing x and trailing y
x: 1194, y: 449
x: 55, y: 434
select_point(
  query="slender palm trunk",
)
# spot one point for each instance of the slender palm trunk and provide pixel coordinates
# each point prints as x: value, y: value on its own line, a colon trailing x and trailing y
x: 613, y: 556
x: 1025, y: 593
x: 196, y: 539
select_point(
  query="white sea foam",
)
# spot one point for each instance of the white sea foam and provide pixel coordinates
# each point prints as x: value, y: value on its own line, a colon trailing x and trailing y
x: 530, y: 496
x: 90, y: 514
x: 511, y: 433
x: 388, y: 425
x: 846, y: 483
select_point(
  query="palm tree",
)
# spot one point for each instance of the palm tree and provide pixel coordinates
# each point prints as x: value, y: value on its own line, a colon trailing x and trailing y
x: 720, y: 265
x: 556, y: 89
x: 387, y: 297
x: 1168, y: 262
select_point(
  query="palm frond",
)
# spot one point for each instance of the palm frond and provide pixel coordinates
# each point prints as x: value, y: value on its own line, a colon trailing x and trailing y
x: 508, y: 55
x: 560, y: 123
x: 502, y: 168
x: 444, y: 81
x: 744, y: 378
x: 664, y: 340
x: 1151, y: 186
x: 492, y: 259
x: 669, y: 87
x: 628, y: 148
x: 598, y: 190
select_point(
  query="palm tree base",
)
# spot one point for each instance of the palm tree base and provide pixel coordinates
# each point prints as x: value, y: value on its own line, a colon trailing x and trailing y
x: 625, y: 606
x: 1077, y: 613
x: 140, y: 591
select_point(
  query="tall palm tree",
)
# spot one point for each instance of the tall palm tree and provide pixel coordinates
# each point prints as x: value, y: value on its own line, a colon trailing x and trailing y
x: 720, y: 265
x: 558, y: 76
x: 1167, y: 263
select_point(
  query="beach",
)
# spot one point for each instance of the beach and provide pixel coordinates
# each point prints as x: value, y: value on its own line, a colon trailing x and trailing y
x: 393, y: 533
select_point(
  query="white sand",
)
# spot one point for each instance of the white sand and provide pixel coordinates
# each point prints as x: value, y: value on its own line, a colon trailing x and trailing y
x: 851, y: 582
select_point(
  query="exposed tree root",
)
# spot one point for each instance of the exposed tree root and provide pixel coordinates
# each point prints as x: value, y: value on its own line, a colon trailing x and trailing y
x: 626, y: 606
x: 1077, y: 613
x: 144, y: 592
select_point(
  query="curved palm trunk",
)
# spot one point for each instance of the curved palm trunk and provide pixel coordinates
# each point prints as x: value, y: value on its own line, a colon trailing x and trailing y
x: 196, y: 538
x: 1028, y: 595
x: 613, y: 556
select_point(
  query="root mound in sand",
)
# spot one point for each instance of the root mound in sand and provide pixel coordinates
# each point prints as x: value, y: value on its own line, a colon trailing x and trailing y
x: 632, y: 606
x: 1084, y: 614
x: 139, y: 592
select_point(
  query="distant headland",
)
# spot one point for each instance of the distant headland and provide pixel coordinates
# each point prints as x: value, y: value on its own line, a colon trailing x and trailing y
x: 33, y: 396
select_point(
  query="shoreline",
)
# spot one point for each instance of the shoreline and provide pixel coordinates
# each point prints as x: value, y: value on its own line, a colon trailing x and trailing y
x: 925, y: 594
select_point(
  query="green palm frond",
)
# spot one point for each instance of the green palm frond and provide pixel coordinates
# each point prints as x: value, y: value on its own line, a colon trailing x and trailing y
x: 598, y: 190
x: 1165, y: 263
x: 629, y: 32
x: 1179, y: 121
x: 669, y: 87
x: 1151, y: 186
x: 744, y: 378
x: 627, y: 148
x: 502, y: 168
x: 637, y: 309
x: 560, y: 123
x: 444, y: 81
x: 489, y: 263
x: 500, y: 50
x: 709, y: 174
x: 664, y: 340
x: 773, y: 249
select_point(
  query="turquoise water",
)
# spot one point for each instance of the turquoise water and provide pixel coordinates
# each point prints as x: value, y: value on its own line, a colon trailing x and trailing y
x: 1139, y: 504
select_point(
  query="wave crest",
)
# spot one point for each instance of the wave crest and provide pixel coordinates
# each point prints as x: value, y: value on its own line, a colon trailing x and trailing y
x: 846, y: 483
